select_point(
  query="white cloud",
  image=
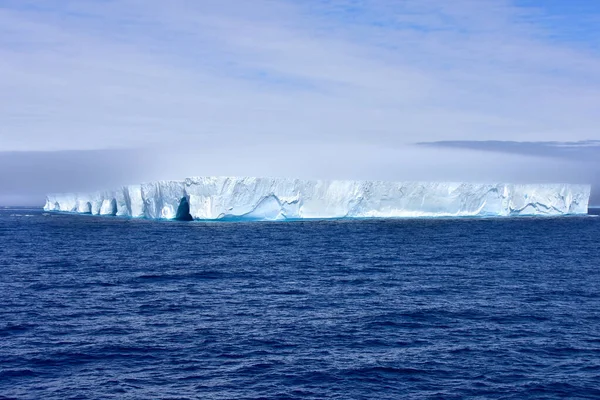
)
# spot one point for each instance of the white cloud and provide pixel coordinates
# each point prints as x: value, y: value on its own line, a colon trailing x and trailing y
x: 109, y: 74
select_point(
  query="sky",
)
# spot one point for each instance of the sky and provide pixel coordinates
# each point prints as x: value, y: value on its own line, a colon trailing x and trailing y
x: 99, y: 93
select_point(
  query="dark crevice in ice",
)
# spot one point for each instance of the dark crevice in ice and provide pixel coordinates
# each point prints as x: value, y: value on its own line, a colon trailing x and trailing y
x: 113, y: 207
x: 183, y: 211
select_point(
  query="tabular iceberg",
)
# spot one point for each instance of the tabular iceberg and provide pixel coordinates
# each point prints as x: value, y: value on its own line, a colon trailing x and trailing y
x: 273, y: 199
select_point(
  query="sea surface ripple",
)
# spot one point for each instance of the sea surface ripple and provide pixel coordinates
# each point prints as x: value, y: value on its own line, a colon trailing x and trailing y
x: 100, y: 308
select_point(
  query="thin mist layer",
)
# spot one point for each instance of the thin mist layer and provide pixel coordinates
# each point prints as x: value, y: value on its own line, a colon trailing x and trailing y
x: 276, y: 199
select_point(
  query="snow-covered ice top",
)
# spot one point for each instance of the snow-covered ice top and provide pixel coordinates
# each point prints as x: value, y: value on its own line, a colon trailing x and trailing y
x: 272, y: 199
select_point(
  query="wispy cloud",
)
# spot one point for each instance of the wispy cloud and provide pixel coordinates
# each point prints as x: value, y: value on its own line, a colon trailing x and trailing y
x: 89, y: 74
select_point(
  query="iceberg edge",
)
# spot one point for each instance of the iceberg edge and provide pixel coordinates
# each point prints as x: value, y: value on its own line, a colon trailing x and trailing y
x: 277, y: 199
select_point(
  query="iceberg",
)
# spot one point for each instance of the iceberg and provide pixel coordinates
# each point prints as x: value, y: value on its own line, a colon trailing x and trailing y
x: 276, y: 199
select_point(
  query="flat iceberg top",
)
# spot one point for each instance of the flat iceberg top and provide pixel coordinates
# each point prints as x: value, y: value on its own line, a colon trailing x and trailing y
x: 273, y: 199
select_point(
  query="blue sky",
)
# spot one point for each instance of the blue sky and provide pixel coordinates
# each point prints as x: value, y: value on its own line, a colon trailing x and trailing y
x: 319, y: 89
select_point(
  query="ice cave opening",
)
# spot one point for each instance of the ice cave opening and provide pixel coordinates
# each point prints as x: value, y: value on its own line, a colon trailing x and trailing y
x: 183, y: 211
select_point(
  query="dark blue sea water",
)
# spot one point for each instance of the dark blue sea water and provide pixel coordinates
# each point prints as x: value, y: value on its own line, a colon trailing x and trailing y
x: 95, y: 308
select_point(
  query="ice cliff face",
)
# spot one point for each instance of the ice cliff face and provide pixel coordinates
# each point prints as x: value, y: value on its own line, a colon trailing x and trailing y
x: 233, y: 198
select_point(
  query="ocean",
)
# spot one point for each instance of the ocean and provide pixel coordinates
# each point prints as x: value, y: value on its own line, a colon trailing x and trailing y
x: 104, y: 307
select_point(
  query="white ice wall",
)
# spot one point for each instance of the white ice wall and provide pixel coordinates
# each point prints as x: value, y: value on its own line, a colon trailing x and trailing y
x: 213, y: 198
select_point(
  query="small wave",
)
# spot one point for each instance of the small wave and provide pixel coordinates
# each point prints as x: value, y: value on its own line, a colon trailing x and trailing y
x: 291, y: 292
x: 15, y: 328
x: 17, y: 373
x: 386, y: 370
